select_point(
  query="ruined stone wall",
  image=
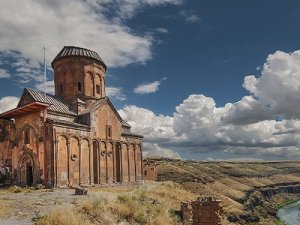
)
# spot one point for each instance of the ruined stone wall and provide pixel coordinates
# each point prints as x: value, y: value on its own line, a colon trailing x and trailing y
x: 204, y: 211
x: 149, y: 170
x: 7, y: 143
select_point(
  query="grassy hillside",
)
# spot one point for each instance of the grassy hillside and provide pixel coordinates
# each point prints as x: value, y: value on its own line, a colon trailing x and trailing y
x: 245, y: 189
x: 235, y: 183
x: 149, y: 204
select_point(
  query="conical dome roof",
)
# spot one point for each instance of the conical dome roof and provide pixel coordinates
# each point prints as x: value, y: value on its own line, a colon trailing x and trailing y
x: 70, y: 51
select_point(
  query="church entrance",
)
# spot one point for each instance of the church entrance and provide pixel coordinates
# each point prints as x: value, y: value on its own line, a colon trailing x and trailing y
x: 29, y: 175
x: 26, y: 170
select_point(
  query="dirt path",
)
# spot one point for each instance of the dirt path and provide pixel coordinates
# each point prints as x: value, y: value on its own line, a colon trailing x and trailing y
x: 21, y: 208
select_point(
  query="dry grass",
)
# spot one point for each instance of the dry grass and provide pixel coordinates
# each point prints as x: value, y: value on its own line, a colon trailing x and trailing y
x: 113, y: 189
x: 156, y: 206
x: 64, y: 216
x: 5, y: 208
x: 231, y: 181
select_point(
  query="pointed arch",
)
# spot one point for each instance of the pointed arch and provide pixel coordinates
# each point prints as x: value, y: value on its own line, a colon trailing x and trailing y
x: 31, y: 132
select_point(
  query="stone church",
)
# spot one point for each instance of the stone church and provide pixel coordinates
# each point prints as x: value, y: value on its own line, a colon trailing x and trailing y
x: 74, y: 137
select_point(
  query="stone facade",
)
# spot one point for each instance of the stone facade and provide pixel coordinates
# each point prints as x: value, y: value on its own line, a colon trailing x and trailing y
x: 75, y: 137
x: 149, y: 170
x: 204, y: 211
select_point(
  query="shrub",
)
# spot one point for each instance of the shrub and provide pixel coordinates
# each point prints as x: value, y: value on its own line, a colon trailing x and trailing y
x: 63, y: 216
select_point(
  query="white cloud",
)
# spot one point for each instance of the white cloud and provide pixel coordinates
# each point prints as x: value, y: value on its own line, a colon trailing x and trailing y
x: 128, y: 8
x: 154, y: 150
x: 4, y: 73
x: 247, y: 110
x: 145, y: 122
x: 162, y: 30
x: 263, y: 125
x: 189, y: 17
x: 7, y: 103
x: 47, y: 87
x: 115, y: 93
x: 36, y: 24
x: 97, y: 25
x: 279, y: 84
x: 196, y: 127
x: 147, y: 88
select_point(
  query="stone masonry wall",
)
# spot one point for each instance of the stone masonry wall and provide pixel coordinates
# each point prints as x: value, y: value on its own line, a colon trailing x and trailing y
x: 204, y: 211
x: 149, y: 170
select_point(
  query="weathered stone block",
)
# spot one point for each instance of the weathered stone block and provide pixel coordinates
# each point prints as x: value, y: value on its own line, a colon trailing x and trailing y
x: 81, y: 191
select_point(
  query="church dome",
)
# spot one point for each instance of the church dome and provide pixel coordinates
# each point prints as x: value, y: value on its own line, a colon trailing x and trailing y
x: 71, y: 51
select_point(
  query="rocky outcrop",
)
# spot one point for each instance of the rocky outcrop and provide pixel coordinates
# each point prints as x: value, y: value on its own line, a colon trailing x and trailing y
x: 271, y: 190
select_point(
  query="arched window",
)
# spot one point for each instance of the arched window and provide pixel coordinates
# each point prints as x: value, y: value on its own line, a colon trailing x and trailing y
x: 108, y: 132
x: 79, y: 87
x: 27, y: 136
x: 97, y: 88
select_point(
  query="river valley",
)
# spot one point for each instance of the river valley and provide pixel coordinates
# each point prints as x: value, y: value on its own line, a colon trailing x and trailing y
x: 290, y: 214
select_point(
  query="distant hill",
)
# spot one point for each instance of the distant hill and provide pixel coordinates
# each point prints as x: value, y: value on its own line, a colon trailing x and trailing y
x: 250, y: 191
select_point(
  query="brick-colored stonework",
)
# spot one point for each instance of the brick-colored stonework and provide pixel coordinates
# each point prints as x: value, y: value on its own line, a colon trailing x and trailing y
x: 149, y: 170
x: 204, y: 211
x: 75, y: 137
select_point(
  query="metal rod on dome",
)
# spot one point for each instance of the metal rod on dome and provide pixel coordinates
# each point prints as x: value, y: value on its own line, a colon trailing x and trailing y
x: 45, y: 73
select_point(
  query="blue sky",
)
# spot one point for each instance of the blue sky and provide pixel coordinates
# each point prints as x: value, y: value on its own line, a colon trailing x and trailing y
x: 178, y: 70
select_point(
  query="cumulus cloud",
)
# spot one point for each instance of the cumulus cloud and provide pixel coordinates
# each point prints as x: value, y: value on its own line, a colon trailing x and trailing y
x: 274, y: 93
x: 153, y: 149
x: 7, y: 103
x: 247, y: 110
x: 279, y: 84
x: 145, y: 122
x: 115, y: 93
x: 263, y: 125
x: 147, y: 88
x: 196, y: 126
x: 47, y: 87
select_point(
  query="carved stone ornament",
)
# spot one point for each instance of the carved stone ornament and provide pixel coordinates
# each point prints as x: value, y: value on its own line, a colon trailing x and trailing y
x: 74, y: 157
